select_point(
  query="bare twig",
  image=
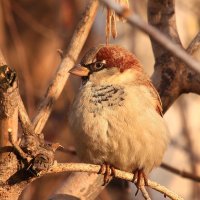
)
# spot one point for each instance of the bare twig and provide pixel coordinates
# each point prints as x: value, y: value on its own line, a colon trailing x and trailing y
x: 15, y: 145
x: 60, y: 52
x: 62, y: 74
x: 23, y: 114
x: 82, y: 167
x: 194, y: 45
x: 190, y: 78
x: 69, y: 150
x: 145, y: 193
x: 181, y: 173
x: 2, y: 59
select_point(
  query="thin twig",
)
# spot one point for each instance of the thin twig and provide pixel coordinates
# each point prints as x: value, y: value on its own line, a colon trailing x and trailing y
x: 69, y: 60
x: 68, y: 150
x: 15, y: 145
x: 194, y: 45
x: 82, y: 167
x: 2, y: 59
x: 60, y: 52
x: 155, y: 34
x: 145, y: 193
x: 181, y: 173
x: 23, y: 116
x: 190, y: 78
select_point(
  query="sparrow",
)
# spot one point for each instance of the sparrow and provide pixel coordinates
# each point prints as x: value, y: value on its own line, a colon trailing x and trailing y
x: 116, y: 116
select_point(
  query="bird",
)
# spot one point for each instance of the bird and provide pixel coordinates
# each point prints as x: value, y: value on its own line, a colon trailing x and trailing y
x: 116, y: 116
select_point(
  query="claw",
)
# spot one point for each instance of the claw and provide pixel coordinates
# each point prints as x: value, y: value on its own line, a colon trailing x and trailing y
x: 108, y: 172
x: 139, y: 179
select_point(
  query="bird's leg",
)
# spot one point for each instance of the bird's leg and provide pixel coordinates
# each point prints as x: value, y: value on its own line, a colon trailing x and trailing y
x: 108, y: 172
x: 139, y: 179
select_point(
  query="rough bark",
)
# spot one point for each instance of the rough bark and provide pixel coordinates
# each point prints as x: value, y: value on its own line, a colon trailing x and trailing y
x: 8, y: 120
x: 171, y: 77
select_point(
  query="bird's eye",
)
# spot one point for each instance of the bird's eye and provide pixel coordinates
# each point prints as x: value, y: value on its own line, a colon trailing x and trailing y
x: 97, y: 66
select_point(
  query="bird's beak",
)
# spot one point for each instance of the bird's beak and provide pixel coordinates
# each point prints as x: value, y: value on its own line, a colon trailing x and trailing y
x: 79, y: 70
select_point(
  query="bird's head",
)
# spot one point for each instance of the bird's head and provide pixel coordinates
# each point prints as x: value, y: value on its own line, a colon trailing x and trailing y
x: 106, y: 62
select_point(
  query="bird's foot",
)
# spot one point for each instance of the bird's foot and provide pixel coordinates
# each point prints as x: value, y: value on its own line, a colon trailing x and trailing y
x: 140, y: 179
x: 108, y: 171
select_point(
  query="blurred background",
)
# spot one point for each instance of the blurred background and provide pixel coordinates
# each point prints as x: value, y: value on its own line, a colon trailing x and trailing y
x: 32, y: 31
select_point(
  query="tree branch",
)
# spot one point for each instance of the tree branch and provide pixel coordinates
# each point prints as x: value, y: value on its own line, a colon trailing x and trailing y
x: 145, y: 193
x: 191, y: 79
x: 8, y: 102
x: 69, y: 60
x: 161, y: 14
x: 194, y: 46
x: 90, y: 168
x: 181, y: 173
x: 8, y: 119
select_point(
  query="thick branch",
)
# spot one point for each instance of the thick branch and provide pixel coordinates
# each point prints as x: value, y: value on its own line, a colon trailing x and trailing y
x: 166, y: 77
x: 8, y: 119
x: 8, y: 102
x: 161, y: 14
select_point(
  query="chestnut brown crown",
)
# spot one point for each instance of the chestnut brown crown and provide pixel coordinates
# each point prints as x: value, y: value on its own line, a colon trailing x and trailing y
x: 106, y: 56
x: 115, y: 56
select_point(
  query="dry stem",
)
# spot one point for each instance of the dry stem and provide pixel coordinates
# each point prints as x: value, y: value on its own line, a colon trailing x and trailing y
x: 145, y: 193
x: 82, y: 167
x: 69, y: 60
